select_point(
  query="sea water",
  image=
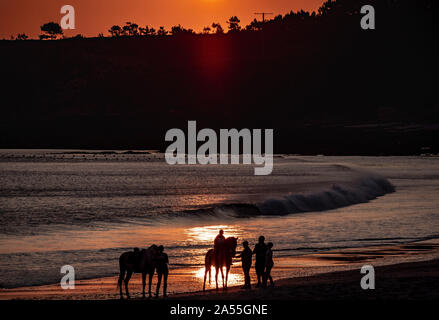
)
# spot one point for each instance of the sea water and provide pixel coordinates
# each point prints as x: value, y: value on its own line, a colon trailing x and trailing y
x: 84, y: 208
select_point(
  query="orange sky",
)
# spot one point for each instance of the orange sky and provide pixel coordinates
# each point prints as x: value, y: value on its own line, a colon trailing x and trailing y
x: 95, y: 16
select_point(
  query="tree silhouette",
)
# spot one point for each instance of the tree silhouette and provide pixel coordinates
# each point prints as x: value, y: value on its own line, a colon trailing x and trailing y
x: 125, y: 30
x: 162, y: 32
x: 176, y: 30
x: 21, y: 36
x: 130, y: 29
x: 233, y: 23
x: 115, y: 31
x: 134, y: 29
x: 206, y: 30
x: 327, y: 7
x: 143, y: 31
x: 218, y: 28
x: 52, y: 30
x: 254, y: 26
x: 147, y: 31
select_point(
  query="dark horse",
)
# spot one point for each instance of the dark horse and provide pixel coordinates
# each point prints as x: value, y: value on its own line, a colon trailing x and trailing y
x: 141, y: 262
x: 224, y: 260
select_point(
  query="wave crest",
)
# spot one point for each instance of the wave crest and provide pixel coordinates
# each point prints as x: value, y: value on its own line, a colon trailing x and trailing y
x: 361, y: 190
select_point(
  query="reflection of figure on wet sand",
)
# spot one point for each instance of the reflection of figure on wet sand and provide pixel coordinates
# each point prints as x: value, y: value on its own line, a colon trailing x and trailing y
x: 246, y: 259
x: 162, y: 261
x: 268, y: 265
x: 260, y: 250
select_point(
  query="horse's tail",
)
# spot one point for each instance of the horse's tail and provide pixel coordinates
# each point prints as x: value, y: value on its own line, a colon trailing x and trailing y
x: 209, y: 259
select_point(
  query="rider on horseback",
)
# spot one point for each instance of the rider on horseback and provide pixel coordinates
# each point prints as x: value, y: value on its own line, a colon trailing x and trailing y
x: 219, y: 240
x: 219, y: 245
x: 220, y: 257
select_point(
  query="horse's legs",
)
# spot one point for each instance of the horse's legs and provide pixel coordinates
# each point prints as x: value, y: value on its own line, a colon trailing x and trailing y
x: 120, y: 281
x: 205, y: 273
x: 159, y: 281
x: 127, y: 279
x: 210, y: 273
x: 151, y: 274
x: 222, y: 275
x: 227, y: 276
x: 143, y: 284
x: 216, y: 277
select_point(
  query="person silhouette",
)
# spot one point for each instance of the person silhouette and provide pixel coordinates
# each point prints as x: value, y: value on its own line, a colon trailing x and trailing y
x: 260, y: 250
x: 218, y: 245
x: 246, y: 260
x: 162, y: 262
x: 219, y: 239
x: 268, y: 265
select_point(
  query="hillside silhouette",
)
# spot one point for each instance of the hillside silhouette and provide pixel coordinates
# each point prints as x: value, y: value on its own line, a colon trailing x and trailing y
x: 324, y: 84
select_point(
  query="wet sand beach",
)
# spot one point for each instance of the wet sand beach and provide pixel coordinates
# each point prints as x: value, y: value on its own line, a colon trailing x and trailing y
x: 412, y: 281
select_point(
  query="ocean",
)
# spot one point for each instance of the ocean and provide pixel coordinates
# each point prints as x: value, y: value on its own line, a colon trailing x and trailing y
x: 85, y: 208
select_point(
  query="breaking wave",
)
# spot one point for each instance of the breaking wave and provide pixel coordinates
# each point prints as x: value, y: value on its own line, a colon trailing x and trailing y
x: 360, y: 190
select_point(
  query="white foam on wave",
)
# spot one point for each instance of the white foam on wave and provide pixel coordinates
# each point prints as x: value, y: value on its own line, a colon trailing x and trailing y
x: 363, y: 189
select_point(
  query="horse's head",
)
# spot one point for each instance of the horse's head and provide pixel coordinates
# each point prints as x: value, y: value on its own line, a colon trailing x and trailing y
x: 231, y: 244
x: 150, y: 253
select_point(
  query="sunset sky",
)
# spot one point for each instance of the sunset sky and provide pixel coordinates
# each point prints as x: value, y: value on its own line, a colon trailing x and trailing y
x: 96, y: 16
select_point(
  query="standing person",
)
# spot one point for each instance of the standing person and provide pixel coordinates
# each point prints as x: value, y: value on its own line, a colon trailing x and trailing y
x: 268, y: 265
x: 246, y: 259
x: 162, y: 262
x: 260, y: 250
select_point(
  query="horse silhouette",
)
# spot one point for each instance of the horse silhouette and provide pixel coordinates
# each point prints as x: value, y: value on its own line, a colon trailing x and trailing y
x: 224, y: 260
x: 143, y: 262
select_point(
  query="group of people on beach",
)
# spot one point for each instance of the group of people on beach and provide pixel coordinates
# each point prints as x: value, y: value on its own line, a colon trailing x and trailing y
x: 263, y: 264
x: 147, y: 261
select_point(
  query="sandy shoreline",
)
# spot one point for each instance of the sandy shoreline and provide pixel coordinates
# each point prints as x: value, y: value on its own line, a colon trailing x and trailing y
x: 322, y: 275
x: 411, y: 280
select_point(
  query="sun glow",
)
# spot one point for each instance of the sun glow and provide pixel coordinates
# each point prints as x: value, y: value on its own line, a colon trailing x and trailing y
x: 208, y: 233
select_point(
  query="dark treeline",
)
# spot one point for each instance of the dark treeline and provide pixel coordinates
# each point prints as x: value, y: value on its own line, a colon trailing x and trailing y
x: 324, y: 84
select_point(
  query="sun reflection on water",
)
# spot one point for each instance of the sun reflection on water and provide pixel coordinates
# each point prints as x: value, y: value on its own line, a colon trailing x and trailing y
x: 208, y: 233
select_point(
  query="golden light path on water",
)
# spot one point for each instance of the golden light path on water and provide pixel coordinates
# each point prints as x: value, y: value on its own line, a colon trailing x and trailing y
x: 208, y: 233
